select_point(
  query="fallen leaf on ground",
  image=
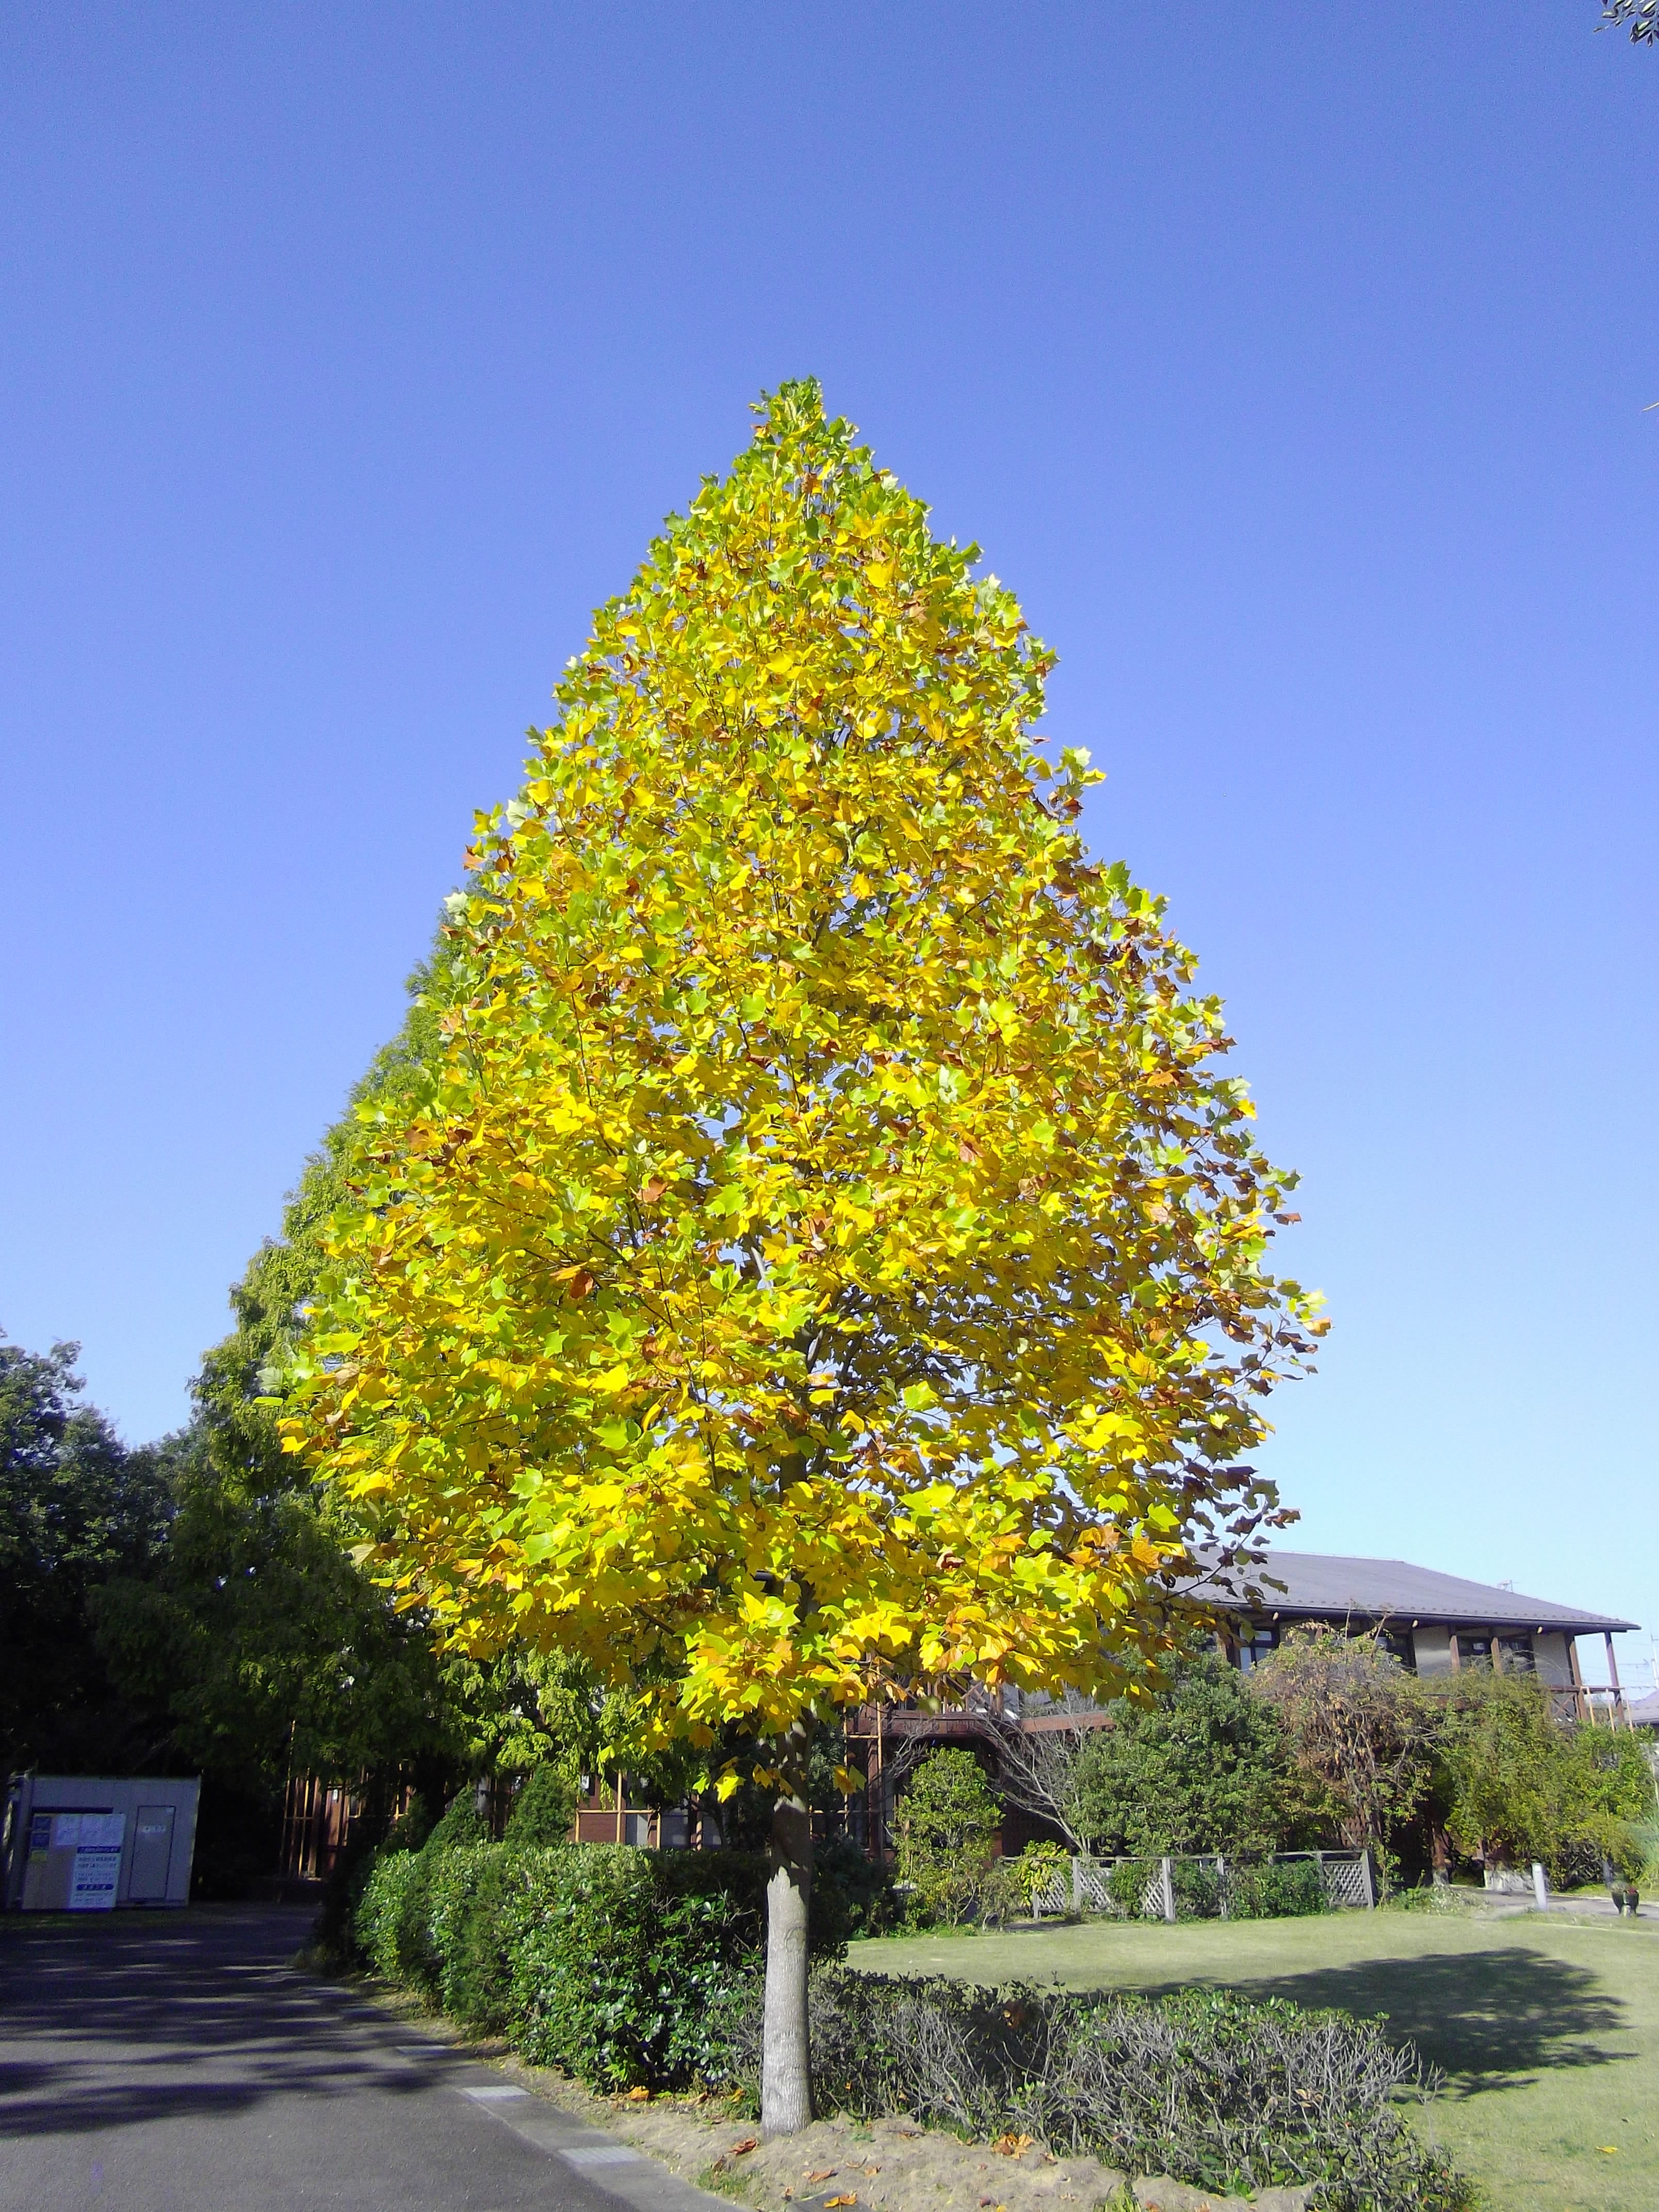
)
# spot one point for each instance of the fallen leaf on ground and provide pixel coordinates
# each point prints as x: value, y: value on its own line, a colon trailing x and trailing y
x: 829, y: 2202
x: 827, y: 2174
x: 749, y: 2142
x: 640, y: 2096
x: 1012, y: 2146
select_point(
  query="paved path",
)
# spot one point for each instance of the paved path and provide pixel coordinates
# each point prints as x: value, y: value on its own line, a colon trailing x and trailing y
x: 175, y: 2062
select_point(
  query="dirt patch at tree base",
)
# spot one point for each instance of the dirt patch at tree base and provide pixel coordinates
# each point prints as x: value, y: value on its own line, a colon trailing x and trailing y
x: 883, y: 2166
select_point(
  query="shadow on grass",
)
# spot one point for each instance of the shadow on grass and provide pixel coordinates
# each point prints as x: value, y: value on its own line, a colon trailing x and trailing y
x: 1489, y: 2020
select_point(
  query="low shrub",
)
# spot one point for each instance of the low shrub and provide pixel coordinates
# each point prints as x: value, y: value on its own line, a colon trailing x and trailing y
x: 1200, y: 1891
x: 1276, y: 1891
x: 1126, y: 1885
x: 1204, y: 2085
x: 1036, y: 1868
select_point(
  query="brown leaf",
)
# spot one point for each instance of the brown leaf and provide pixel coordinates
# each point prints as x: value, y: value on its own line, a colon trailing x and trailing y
x: 582, y: 1284
x: 827, y: 2174
x: 653, y: 1191
x: 749, y: 2142
x: 1011, y: 2145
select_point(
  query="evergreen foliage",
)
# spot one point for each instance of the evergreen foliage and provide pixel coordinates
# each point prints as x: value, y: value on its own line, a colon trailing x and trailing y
x: 947, y: 1821
x: 78, y: 1508
x: 1513, y: 1784
x: 1202, y: 1766
x: 542, y: 1810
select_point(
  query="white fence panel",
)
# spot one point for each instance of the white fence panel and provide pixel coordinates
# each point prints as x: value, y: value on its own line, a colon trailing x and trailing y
x: 1083, y: 1885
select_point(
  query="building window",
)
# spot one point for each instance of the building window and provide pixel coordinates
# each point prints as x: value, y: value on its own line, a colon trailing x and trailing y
x: 1254, y: 1642
x: 1397, y: 1642
x: 1473, y: 1650
x: 1517, y: 1655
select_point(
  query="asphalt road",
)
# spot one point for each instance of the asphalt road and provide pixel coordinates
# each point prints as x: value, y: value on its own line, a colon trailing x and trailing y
x: 176, y: 2062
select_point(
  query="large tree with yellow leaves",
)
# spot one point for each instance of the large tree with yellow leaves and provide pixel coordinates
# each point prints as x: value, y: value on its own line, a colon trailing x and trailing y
x: 825, y: 1261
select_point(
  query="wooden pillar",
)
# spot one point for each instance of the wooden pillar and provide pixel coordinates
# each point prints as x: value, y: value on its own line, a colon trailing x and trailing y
x: 878, y: 1796
x: 1457, y: 1656
x: 1580, y: 1701
x: 619, y: 1805
x: 1619, y: 1712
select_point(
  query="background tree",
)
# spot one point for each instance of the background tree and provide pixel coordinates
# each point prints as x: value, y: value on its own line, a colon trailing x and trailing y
x: 946, y: 1820
x: 77, y: 1507
x: 1512, y: 1784
x: 825, y: 1259
x: 1202, y: 1766
x: 1356, y: 1725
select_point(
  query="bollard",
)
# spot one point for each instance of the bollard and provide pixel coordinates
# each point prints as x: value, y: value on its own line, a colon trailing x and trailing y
x: 1540, y: 1887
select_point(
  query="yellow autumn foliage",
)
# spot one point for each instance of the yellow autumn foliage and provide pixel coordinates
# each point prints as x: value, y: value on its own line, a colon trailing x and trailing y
x: 828, y: 1259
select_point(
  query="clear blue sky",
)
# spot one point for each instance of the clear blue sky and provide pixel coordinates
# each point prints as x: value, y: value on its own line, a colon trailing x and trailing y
x: 1290, y: 361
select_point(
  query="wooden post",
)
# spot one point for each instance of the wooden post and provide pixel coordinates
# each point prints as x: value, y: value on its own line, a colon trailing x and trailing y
x: 1221, y: 1886
x: 1613, y: 1677
x: 1540, y: 1888
x: 880, y: 1794
x: 1578, y: 1696
x: 619, y: 1805
x: 1367, y: 1880
x: 1168, y: 1872
x: 1457, y: 1656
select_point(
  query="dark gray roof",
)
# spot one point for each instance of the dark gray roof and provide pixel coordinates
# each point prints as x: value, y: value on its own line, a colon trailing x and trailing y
x: 1318, y: 1587
x: 1644, y: 1711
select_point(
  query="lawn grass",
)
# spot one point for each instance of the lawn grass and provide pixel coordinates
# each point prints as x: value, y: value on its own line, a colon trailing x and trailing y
x: 1547, y: 2029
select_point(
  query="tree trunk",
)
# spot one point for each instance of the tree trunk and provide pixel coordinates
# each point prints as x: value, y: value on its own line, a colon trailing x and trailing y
x: 786, y: 2051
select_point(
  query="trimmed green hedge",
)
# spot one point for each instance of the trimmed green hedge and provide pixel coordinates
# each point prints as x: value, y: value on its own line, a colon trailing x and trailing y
x: 621, y: 1966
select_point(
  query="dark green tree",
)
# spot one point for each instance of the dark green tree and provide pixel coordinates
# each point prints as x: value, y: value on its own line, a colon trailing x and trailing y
x: 1202, y: 1766
x: 1511, y: 1783
x: 77, y: 1507
x: 947, y: 1821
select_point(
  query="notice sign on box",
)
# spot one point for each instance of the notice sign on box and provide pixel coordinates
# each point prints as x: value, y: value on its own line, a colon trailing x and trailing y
x: 95, y: 1839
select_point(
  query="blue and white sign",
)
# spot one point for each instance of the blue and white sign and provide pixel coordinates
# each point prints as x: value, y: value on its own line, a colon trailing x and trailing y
x: 97, y: 1839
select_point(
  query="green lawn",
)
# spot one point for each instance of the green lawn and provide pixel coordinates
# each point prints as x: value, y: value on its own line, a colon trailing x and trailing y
x: 1547, y: 2029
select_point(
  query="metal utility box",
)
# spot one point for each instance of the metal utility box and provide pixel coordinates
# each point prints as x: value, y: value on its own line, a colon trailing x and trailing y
x: 77, y: 1843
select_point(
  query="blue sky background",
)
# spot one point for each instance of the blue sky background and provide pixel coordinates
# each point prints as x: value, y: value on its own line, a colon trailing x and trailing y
x: 1290, y: 361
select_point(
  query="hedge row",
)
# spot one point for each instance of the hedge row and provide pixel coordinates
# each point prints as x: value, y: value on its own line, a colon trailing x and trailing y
x: 1210, y: 2087
x: 621, y: 1966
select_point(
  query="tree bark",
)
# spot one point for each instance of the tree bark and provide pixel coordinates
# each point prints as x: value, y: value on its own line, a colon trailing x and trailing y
x: 785, y: 2048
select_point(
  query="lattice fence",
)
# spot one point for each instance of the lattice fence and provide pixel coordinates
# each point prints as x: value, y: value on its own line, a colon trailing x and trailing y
x: 1085, y: 1885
